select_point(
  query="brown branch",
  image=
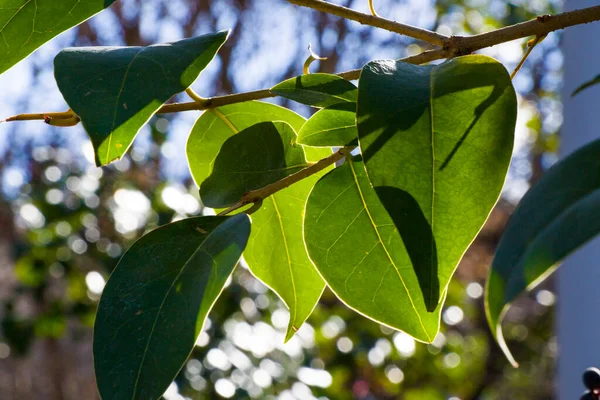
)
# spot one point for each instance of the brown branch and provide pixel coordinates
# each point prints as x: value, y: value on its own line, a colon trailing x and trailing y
x: 539, y: 26
x: 455, y: 46
x: 258, y: 195
x: 372, y: 20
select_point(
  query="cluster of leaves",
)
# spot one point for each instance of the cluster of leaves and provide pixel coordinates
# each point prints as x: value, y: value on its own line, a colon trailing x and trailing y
x: 385, y: 230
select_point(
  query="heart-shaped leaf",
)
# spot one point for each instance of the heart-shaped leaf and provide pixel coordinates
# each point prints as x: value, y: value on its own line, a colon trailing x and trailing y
x: 318, y: 90
x: 275, y: 253
x: 437, y: 141
x: 257, y: 156
x: 555, y: 217
x: 25, y: 24
x: 356, y: 248
x: 116, y: 90
x: 331, y: 126
x: 156, y: 300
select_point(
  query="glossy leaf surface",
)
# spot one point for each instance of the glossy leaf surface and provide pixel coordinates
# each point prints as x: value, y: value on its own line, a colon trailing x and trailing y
x: 257, y: 156
x: 437, y: 142
x: 216, y: 125
x: 358, y: 251
x: 155, y: 302
x: 25, y: 24
x: 331, y: 126
x: 275, y: 253
x: 318, y: 90
x: 116, y: 90
x: 555, y: 217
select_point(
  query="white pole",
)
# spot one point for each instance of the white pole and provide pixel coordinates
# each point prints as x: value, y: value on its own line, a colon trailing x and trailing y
x: 578, y: 319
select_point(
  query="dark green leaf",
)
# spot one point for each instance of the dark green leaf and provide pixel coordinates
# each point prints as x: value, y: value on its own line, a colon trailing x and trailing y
x: 356, y: 248
x: 559, y: 214
x: 116, y: 90
x: 319, y: 90
x: 331, y: 126
x: 155, y: 302
x: 216, y: 125
x: 586, y: 85
x: 275, y: 253
x: 437, y: 141
x: 257, y: 156
x: 25, y: 24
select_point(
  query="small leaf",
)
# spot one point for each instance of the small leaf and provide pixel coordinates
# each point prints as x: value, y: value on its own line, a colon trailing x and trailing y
x: 437, y: 142
x: 116, y: 90
x: 319, y: 90
x: 216, y: 125
x: 257, y: 156
x: 586, y: 85
x: 156, y: 300
x: 555, y: 217
x: 332, y: 126
x: 356, y: 248
x: 275, y: 253
x: 25, y: 25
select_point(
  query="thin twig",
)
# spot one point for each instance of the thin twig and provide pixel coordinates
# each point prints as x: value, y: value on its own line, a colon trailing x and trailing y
x: 258, y: 195
x: 422, y: 34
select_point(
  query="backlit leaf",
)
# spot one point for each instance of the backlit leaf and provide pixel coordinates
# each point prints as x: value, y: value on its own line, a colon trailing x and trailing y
x: 360, y: 254
x: 331, y: 126
x: 257, y: 156
x: 318, y: 90
x: 437, y: 141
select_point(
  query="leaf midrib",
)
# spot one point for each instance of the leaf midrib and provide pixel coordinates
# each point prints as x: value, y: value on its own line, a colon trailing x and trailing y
x: 385, y: 248
x: 163, y: 303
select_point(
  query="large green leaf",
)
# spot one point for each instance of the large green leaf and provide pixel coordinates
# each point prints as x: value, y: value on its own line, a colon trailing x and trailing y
x: 319, y: 90
x: 437, y: 141
x: 216, y: 125
x: 356, y: 248
x: 116, y: 90
x: 559, y: 214
x: 257, y: 156
x: 155, y: 302
x: 331, y: 126
x: 25, y: 24
x: 275, y: 253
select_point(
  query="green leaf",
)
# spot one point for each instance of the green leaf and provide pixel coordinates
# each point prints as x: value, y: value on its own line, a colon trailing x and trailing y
x: 156, y: 300
x: 558, y: 215
x: 437, y: 142
x: 116, y: 90
x: 25, y: 24
x: 356, y: 248
x: 319, y: 90
x: 586, y: 85
x: 216, y: 125
x: 332, y: 126
x: 275, y: 253
x: 257, y: 156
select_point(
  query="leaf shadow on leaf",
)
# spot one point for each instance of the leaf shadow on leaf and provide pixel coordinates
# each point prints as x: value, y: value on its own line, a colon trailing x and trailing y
x: 250, y: 160
x: 497, y: 91
x: 484, y: 75
x: 416, y: 233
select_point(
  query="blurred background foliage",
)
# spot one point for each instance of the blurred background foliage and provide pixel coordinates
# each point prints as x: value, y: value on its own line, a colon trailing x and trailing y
x: 64, y: 223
